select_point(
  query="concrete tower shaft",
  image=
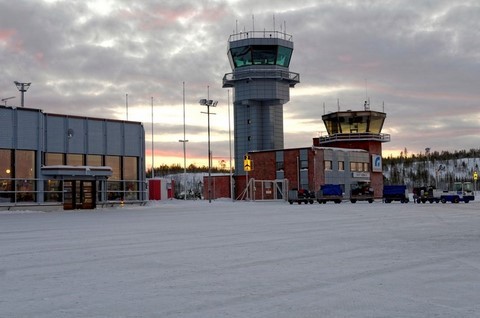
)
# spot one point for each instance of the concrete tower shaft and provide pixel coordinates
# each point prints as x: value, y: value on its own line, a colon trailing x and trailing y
x: 261, y: 82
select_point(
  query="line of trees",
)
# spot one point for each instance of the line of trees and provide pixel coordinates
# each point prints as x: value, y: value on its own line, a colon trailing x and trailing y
x: 176, y: 168
x: 431, y: 156
x: 440, y: 169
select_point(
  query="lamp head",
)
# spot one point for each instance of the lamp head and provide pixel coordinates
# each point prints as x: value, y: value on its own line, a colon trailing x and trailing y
x: 22, y: 87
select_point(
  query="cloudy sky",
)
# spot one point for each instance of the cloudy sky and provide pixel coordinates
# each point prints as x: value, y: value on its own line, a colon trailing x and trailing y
x: 419, y: 61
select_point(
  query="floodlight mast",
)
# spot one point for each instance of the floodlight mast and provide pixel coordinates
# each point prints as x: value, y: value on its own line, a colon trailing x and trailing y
x: 22, y: 87
x: 209, y: 103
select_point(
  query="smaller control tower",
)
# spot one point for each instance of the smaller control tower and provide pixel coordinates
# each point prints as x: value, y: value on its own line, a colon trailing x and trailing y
x: 261, y: 82
x: 358, y: 130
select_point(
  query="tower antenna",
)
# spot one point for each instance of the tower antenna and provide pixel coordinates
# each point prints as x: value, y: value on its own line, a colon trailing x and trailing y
x: 366, y: 105
x: 253, y: 23
x: 366, y: 89
x: 126, y: 104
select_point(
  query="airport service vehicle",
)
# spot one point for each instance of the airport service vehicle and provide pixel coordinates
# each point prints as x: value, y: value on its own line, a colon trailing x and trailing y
x: 462, y: 192
x: 301, y: 195
x: 361, y: 192
x: 426, y: 194
x: 330, y: 192
x: 395, y: 193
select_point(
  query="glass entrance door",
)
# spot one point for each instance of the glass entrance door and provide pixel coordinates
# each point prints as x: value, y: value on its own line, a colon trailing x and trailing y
x: 79, y: 194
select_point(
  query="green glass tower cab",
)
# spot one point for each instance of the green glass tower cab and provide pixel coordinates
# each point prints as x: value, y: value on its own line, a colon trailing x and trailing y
x: 261, y: 83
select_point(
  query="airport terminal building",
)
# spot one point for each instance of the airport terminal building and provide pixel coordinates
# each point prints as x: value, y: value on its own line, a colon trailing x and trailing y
x: 69, y: 161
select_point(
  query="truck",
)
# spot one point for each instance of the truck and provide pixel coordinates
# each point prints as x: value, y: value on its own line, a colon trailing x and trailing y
x: 361, y: 192
x: 301, y: 196
x: 395, y: 193
x: 462, y: 192
x: 330, y: 192
x: 426, y: 194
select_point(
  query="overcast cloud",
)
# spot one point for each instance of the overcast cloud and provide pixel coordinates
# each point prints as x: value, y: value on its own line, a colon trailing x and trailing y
x: 419, y: 61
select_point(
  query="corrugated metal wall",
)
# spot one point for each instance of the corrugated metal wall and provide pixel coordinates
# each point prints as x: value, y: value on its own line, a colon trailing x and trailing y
x: 31, y: 129
x: 6, y: 124
x: 55, y: 133
x: 96, y: 137
x: 76, y: 135
x: 28, y: 135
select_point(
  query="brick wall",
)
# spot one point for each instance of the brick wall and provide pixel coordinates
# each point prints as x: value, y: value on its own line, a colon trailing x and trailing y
x: 220, y: 187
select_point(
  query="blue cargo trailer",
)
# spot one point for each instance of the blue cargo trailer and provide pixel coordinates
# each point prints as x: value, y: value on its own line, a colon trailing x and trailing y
x: 330, y: 192
x: 395, y: 193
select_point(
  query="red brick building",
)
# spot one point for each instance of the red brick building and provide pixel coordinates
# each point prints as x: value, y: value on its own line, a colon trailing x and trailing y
x: 310, y: 167
x: 350, y: 155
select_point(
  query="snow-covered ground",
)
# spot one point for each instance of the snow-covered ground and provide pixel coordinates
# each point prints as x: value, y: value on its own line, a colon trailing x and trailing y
x: 243, y: 259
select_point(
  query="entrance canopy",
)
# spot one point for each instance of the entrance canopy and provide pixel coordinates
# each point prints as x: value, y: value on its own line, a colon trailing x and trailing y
x: 79, y: 172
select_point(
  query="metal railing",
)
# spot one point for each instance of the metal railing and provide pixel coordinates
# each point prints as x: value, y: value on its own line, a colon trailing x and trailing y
x: 21, y: 190
x: 121, y: 191
x: 260, y: 35
x: 18, y: 190
x: 249, y: 74
x: 355, y: 136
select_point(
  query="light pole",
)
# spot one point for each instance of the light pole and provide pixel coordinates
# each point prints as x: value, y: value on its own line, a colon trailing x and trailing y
x: 153, y: 150
x: 230, y: 150
x: 22, y: 87
x: 184, y: 140
x: 209, y: 103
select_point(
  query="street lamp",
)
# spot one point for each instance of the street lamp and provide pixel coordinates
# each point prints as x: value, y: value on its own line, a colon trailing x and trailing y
x: 22, y: 87
x: 209, y: 103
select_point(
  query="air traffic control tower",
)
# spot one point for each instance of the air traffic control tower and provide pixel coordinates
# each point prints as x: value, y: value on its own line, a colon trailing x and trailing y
x: 261, y: 83
x: 358, y: 130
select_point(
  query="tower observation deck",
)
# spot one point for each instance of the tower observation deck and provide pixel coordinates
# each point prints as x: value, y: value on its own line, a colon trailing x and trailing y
x: 261, y: 83
x: 350, y: 126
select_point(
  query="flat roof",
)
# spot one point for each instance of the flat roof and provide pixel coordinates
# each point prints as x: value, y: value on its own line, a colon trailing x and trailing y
x: 66, y: 170
x: 311, y: 147
x: 69, y: 116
